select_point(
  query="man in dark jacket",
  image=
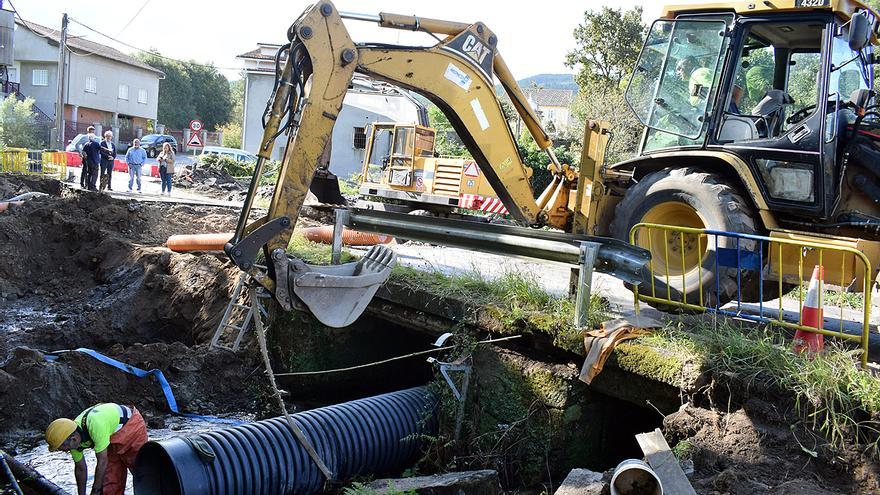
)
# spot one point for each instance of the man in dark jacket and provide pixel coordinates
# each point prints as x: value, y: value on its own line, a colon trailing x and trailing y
x: 91, y: 151
x: 108, y: 160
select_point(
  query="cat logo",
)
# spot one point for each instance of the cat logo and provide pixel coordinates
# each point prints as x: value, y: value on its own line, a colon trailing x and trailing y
x: 470, y: 46
x: 475, y: 49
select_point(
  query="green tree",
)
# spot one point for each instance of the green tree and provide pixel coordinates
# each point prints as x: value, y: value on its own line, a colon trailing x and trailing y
x: 176, y: 106
x: 602, y: 64
x: 212, y: 98
x: 190, y: 91
x: 446, y: 142
x: 537, y: 159
x: 232, y: 130
x: 18, y: 125
x: 603, y: 69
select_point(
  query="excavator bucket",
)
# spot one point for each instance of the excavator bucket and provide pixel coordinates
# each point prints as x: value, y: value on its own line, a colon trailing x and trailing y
x: 325, y: 187
x: 338, y: 294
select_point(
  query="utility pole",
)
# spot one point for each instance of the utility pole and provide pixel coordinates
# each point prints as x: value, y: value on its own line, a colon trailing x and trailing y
x: 59, y: 103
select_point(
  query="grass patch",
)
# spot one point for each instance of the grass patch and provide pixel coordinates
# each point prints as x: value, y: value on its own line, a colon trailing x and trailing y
x: 351, y: 185
x: 515, y: 302
x: 314, y: 253
x: 831, y: 391
x: 831, y: 297
x: 362, y: 489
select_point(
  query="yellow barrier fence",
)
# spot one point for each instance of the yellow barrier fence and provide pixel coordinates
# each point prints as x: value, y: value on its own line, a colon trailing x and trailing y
x: 719, y: 272
x: 23, y: 161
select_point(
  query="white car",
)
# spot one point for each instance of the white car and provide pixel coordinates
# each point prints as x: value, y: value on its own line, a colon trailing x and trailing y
x: 76, y: 143
x: 240, y: 155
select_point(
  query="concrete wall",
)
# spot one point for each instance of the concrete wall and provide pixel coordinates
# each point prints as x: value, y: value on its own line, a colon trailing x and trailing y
x: 44, y: 96
x: 109, y: 75
x: 358, y: 110
x: 29, y: 46
x: 33, y: 52
x: 560, y: 117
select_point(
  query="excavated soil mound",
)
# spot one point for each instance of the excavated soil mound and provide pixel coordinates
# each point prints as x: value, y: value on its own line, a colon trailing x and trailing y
x: 81, y: 269
x: 35, y: 391
x: 211, y: 182
x: 761, y: 449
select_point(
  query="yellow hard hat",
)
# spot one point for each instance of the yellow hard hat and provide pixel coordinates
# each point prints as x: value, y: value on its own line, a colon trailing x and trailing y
x: 58, y: 431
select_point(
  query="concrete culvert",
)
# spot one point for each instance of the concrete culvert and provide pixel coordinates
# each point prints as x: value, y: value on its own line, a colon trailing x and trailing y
x: 373, y: 435
x: 635, y: 477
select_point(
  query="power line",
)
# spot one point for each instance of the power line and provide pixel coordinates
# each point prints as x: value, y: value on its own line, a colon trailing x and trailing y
x: 143, y: 5
x: 20, y: 18
x: 148, y: 51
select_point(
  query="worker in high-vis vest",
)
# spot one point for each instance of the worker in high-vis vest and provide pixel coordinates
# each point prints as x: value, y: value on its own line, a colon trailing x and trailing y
x: 699, y: 79
x: 115, y: 432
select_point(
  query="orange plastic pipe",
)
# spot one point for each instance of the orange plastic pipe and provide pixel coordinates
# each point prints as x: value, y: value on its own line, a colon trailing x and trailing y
x: 198, y: 242
x: 349, y: 237
x: 8, y: 204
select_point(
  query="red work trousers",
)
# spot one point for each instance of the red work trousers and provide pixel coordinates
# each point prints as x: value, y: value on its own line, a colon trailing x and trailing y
x: 124, y: 447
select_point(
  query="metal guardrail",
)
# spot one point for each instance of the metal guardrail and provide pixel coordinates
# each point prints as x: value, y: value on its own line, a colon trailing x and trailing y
x: 24, y: 161
x: 612, y: 256
x: 747, y: 257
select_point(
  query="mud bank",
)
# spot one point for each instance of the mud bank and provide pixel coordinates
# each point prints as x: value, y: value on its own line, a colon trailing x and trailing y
x: 80, y: 269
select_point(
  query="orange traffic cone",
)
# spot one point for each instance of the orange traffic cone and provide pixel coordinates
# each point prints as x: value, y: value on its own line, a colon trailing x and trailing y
x: 811, y: 316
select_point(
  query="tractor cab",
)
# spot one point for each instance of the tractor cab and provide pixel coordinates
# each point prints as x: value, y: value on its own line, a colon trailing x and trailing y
x: 767, y: 90
x: 392, y: 151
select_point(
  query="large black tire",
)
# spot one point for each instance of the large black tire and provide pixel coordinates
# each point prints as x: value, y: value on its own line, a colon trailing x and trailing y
x: 689, y: 197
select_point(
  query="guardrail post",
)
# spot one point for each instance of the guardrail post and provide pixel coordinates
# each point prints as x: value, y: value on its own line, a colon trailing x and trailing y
x: 589, y: 251
x: 342, y: 218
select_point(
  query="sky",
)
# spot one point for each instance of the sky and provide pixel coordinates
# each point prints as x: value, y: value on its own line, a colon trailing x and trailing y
x: 533, y: 39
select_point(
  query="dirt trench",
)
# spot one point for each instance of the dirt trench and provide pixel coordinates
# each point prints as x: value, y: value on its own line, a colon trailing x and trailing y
x: 81, y: 269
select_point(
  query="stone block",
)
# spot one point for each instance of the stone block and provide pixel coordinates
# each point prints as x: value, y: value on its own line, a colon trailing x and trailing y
x: 582, y: 482
x: 483, y: 482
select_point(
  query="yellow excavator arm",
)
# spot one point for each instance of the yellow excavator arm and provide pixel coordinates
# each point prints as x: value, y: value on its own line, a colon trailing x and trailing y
x: 456, y: 74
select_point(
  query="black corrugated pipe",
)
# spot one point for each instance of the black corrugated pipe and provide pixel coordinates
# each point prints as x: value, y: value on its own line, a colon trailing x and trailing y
x: 373, y: 435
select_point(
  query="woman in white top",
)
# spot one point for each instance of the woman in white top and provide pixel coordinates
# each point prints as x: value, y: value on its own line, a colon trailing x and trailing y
x: 166, y: 167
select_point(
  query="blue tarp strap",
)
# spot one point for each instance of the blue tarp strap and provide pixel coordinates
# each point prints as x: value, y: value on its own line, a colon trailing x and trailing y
x: 159, y: 376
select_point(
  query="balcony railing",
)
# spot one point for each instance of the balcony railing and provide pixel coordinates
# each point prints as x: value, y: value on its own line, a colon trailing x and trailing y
x: 10, y: 87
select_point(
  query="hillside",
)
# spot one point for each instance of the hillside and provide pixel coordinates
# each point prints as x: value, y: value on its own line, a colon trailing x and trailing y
x: 550, y: 81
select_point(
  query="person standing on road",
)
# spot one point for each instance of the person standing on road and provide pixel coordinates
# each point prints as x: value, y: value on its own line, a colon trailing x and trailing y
x: 108, y: 160
x: 166, y: 167
x: 135, y: 158
x: 91, y: 160
x: 84, y: 176
x: 115, y: 432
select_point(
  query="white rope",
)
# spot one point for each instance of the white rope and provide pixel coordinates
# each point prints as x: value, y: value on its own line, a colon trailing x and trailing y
x: 261, y: 337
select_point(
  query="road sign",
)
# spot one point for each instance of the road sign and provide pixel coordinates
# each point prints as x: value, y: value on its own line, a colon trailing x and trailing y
x: 471, y: 170
x: 195, y: 141
x: 195, y: 125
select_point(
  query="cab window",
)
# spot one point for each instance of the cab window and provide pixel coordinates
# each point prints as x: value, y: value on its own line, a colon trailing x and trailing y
x: 775, y: 84
x: 674, y: 81
x: 849, y: 73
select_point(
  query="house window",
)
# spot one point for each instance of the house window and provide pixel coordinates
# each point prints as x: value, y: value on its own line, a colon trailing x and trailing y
x: 91, y: 84
x: 123, y: 91
x: 142, y: 96
x: 360, y: 138
x: 40, y: 77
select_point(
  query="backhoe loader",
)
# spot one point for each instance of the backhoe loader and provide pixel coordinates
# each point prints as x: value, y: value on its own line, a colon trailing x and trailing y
x: 759, y: 118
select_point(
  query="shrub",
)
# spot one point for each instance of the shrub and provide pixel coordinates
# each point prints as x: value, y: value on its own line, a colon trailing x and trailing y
x: 18, y: 124
x: 228, y: 164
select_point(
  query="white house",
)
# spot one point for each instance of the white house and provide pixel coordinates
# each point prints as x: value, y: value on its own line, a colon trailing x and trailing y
x: 103, y: 85
x: 367, y: 101
x: 553, y: 105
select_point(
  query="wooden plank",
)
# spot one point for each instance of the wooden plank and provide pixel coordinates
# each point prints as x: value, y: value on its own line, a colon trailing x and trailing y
x: 663, y: 462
